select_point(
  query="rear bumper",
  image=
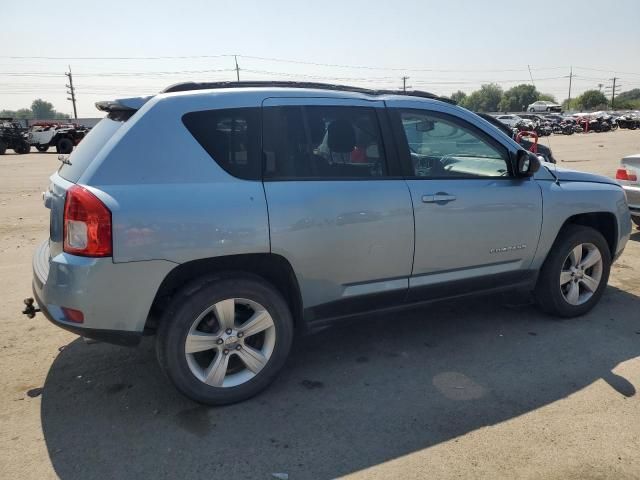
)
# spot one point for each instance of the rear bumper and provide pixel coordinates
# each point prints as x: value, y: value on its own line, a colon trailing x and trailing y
x: 115, y: 298
x: 116, y: 337
x: 633, y: 199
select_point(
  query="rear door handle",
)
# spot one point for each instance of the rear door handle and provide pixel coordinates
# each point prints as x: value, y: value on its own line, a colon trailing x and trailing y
x: 438, y: 198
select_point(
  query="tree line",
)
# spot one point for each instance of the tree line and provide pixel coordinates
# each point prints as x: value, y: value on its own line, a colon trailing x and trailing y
x: 40, y: 110
x: 492, y: 98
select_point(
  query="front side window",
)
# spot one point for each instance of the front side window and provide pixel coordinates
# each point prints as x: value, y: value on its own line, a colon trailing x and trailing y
x: 315, y: 142
x: 231, y: 137
x: 444, y: 147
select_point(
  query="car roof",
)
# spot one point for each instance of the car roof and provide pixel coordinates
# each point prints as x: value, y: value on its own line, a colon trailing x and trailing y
x: 278, y: 88
x: 190, y: 86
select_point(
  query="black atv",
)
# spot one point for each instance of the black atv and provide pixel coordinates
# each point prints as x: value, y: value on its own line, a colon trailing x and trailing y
x: 13, y: 136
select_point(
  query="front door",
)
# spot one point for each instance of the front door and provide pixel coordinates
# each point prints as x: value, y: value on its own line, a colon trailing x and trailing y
x: 477, y: 226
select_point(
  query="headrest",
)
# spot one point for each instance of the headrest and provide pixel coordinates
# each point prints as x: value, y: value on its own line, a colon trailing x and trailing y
x: 341, y: 136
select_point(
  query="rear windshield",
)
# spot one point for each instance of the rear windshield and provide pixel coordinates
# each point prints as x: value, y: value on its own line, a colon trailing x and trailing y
x: 88, y: 148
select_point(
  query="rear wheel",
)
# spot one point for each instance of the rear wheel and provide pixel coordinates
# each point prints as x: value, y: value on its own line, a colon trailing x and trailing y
x: 64, y: 146
x: 223, y: 340
x: 575, y: 273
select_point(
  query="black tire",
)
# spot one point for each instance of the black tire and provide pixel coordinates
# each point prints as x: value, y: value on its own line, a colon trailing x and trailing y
x: 636, y: 220
x: 64, y: 146
x: 42, y: 148
x: 548, y: 109
x: 3, y: 147
x: 548, y: 294
x: 185, y: 308
x: 532, y: 109
x: 22, y: 148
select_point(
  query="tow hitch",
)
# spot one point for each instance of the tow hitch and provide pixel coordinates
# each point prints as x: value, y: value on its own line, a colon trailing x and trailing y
x: 30, y: 310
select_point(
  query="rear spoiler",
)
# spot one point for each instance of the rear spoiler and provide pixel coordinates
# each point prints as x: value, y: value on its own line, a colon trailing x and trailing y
x: 122, y: 104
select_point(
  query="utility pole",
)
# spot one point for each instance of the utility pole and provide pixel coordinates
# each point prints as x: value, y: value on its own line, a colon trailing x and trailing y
x: 570, y: 78
x: 613, y: 92
x: 235, y: 57
x: 531, y: 76
x: 71, y: 92
x: 404, y: 84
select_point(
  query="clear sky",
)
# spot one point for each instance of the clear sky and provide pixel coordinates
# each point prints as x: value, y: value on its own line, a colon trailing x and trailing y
x: 441, y: 45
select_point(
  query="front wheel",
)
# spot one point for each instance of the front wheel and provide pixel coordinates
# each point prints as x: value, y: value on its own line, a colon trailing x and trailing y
x: 22, y: 148
x: 223, y: 340
x: 575, y: 273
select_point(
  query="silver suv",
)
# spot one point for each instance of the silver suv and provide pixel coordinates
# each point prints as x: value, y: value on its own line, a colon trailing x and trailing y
x: 227, y: 217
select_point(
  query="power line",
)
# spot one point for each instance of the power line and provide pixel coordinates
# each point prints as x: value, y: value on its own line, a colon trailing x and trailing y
x: 163, y: 57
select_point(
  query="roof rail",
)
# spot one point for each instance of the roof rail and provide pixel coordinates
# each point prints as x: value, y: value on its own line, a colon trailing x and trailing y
x: 187, y: 86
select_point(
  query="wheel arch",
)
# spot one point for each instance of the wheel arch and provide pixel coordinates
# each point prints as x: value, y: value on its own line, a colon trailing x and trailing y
x: 270, y: 267
x: 604, y: 222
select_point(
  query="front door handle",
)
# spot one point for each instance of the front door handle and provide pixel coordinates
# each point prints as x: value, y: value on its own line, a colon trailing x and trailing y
x: 438, y: 198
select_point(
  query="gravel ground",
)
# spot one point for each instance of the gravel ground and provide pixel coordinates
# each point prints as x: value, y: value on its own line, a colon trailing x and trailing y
x: 484, y: 388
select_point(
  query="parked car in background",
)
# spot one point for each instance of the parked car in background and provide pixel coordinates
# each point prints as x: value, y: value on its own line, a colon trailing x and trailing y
x: 62, y: 136
x: 541, y: 150
x: 628, y: 175
x: 270, y: 208
x: 544, y: 106
x: 509, y: 120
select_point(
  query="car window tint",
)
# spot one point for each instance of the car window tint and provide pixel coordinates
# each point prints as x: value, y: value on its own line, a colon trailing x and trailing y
x: 322, y: 142
x: 447, y: 148
x: 231, y: 137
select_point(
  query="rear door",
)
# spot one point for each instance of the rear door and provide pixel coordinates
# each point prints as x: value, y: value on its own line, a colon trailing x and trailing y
x: 477, y: 226
x: 339, y: 210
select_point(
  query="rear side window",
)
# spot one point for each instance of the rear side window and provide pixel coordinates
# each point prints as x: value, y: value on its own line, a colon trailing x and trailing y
x: 90, y: 146
x: 316, y: 142
x: 231, y: 137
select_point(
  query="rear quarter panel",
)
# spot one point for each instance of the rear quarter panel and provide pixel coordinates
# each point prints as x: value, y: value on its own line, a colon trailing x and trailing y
x: 169, y: 199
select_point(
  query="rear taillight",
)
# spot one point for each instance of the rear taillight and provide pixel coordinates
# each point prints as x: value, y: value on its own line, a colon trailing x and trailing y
x: 624, y: 174
x: 87, y: 224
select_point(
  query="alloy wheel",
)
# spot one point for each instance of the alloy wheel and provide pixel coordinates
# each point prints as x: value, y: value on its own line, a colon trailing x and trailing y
x: 230, y: 342
x: 581, y: 274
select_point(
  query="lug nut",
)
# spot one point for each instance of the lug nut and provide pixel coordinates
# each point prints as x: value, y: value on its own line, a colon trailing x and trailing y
x: 239, y: 347
x: 225, y: 351
x: 219, y: 341
x: 240, y: 334
x: 228, y: 331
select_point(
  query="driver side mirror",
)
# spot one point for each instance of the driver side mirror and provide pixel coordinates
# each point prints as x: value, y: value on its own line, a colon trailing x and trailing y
x: 526, y: 164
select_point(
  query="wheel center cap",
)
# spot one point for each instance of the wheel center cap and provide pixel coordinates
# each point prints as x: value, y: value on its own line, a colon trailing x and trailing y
x: 230, y: 340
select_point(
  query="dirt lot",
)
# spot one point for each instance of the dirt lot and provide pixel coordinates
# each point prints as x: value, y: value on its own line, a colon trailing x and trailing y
x: 475, y: 389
